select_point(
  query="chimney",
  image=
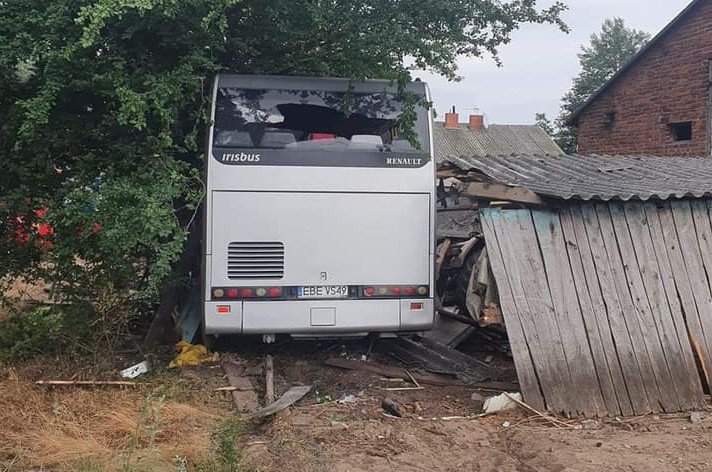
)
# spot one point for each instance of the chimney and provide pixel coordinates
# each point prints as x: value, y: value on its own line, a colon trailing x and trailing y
x: 477, y: 122
x: 452, y: 120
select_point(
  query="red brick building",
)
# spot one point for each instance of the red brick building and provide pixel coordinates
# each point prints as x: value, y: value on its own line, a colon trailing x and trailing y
x: 660, y: 102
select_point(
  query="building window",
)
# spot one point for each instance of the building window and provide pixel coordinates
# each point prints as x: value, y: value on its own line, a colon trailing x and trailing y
x: 681, y: 132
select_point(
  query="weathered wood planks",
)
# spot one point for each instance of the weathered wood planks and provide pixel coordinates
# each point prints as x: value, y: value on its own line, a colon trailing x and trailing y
x: 603, y: 301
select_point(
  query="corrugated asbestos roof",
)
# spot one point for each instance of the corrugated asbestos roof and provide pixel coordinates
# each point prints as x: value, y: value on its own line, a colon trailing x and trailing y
x: 493, y: 140
x: 600, y: 178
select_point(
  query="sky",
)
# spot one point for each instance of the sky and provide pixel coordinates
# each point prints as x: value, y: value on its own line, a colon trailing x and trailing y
x: 540, y: 62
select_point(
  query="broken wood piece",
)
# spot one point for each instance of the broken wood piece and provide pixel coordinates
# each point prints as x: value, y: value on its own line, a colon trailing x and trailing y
x: 429, y: 379
x: 244, y: 395
x: 490, y: 191
x: 442, y: 252
x: 403, y: 389
x: 229, y: 389
x: 415, y: 382
x: 87, y: 383
x: 292, y: 396
x: 269, y: 380
x: 550, y: 419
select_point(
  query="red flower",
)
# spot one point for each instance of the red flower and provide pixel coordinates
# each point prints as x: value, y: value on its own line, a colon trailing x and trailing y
x: 97, y: 228
x: 41, y: 212
x: 45, y: 230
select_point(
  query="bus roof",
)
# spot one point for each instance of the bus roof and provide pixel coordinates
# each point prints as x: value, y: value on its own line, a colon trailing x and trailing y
x: 315, y: 83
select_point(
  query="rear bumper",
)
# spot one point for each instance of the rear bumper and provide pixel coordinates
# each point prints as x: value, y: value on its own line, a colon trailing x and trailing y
x: 319, y: 317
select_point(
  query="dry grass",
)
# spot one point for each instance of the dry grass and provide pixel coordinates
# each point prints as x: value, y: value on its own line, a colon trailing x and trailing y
x: 111, y: 430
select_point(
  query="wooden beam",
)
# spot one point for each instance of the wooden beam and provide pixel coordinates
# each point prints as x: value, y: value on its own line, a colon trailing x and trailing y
x: 489, y: 191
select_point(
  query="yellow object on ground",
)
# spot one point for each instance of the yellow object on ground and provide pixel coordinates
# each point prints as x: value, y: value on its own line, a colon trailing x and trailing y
x: 192, y: 354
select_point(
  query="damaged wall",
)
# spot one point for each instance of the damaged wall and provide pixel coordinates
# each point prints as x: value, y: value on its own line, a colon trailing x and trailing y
x: 607, y: 306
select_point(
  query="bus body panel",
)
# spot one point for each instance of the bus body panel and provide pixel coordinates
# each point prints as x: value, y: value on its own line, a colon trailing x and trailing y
x: 408, y: 187
x: 328, y: 238
x: 319, y: 317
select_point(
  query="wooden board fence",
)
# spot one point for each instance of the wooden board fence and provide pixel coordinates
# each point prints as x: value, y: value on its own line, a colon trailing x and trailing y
x: 606, y: 305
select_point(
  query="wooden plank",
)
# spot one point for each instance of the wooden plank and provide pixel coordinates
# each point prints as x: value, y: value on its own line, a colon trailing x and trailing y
x: 624, y: 346
x: 490, y: 191
x: 440, y: 256
x: 639, y: 263
x: 688, y: 372
x: 599, y: 305
x: 525, y: 255
x: 245, y: 397
x: 575, y: 246
x: 568, y: 313
x: 269, y: 380
x: 692, y: 263
x: 523, y: 357
x: 644, y: 320
x: 619, y: 257
x: 701, y: 217
x: 292, y: 396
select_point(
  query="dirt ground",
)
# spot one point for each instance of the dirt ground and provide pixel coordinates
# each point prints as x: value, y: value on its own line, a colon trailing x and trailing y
x: 172, y: 419
x: 171, y: 422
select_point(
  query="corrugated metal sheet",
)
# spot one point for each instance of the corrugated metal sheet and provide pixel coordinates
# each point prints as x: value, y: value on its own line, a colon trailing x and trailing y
x: 493, y: 140
x: 598, y: 177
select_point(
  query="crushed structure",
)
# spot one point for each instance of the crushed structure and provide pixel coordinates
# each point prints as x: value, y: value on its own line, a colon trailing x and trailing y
x: 602, y: 268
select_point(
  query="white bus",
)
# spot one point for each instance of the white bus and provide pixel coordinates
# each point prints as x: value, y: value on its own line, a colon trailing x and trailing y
x: 320, y: 215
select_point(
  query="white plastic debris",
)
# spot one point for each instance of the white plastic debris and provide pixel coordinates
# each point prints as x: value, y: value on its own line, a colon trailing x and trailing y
x: 347, y: 399
x: 500, y: 403
x: 136, y: 370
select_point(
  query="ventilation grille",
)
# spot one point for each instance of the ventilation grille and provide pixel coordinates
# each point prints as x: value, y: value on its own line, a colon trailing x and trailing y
x: 255, y: 260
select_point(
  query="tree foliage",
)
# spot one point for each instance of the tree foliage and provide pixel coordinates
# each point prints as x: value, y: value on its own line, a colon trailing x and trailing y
x: 606, y: 54
x: 103, y: 110
x: 543, y: 122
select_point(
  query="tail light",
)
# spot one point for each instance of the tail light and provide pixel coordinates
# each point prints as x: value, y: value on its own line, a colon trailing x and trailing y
x: 241, y: 293
x: 395, y: 291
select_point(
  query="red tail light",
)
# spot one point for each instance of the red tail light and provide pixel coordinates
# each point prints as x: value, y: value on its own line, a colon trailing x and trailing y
x: 232, y: 293
x: 246, y: 293
x: 274, y: 292
x: 393, y: 291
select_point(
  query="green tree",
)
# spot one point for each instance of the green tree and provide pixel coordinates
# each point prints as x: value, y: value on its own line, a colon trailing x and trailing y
x: 606, y: 54
x: 103, y: 110
x: 543, y: 122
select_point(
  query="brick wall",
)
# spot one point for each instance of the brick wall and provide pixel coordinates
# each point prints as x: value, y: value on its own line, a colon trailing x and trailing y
x: 669, y: 84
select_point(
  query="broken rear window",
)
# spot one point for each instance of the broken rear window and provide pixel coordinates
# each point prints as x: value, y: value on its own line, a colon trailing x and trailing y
x: 313, y: 120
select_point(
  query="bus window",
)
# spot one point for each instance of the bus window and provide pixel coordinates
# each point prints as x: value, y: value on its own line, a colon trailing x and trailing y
x: 312, y: 120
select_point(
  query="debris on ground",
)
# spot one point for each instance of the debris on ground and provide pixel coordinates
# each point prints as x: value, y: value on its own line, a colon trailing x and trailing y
x: 192, y: 354
x: 292, y: 396
x: 696, y: 417
x: 136, y: 370
x: 503, y: 402
x: 86, y: 383
x: 244, y: 395
x: 392, y: 408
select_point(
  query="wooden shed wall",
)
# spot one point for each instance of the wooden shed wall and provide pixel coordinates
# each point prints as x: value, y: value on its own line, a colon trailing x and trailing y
x: 607, y: 306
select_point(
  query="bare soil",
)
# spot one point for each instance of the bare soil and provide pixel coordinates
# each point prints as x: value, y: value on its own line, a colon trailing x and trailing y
x: 175, y: 414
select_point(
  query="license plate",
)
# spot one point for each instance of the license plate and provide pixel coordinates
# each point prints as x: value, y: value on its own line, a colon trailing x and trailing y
x: 323, y: 291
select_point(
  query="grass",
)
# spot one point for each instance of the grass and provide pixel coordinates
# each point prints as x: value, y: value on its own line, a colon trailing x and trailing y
x: 112, y: 431
x: 227, y: 456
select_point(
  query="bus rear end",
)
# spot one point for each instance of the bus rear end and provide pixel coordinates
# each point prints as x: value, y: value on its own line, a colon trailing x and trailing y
x: 319, y: 213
